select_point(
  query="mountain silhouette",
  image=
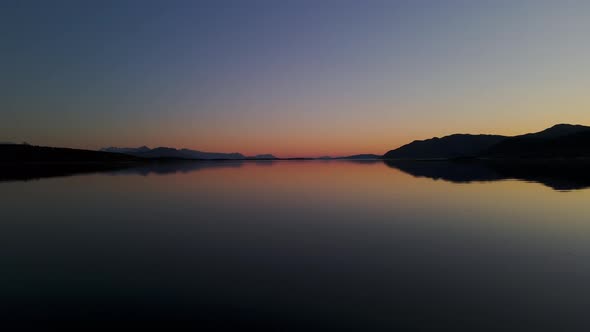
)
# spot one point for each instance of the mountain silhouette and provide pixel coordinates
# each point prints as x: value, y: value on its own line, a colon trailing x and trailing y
x: 165, y: 152
x: 365, y: 156
x: 453, y: 146
x: 559, y: 141
x: 26, y: 162
x: 23, y: 153
x: 127, y: 150
x: 263, y: 156
x: 556, y: 131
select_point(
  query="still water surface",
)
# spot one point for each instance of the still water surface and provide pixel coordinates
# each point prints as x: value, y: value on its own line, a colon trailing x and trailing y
x: 294, y: 245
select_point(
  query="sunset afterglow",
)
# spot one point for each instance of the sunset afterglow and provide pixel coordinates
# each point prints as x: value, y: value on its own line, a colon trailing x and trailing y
x: 304, y: 78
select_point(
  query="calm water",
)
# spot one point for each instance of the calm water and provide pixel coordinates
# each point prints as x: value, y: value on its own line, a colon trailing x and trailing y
x: 295, y: 245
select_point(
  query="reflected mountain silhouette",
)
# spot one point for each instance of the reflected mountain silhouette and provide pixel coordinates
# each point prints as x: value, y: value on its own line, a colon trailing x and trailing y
x: 36, y: 171
x: 28, y: 172
x: 556, y: 174
x: 560, y: 175
x: 178, y: 166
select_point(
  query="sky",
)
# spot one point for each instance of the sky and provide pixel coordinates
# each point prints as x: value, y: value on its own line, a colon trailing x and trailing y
x: 289, y: 77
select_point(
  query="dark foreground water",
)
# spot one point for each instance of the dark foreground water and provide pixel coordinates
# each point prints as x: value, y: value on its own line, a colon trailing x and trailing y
x: 295, y: 245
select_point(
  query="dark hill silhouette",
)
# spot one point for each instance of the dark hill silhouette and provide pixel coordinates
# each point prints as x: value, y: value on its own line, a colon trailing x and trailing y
x: 562, y: 141
x: 26, y: 162
x: 22, y: 153
x: 559, y: 141
x: 453, y: 146
x: 557, y: 131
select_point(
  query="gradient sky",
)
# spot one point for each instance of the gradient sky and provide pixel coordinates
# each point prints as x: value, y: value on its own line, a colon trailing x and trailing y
x: 292, y: 78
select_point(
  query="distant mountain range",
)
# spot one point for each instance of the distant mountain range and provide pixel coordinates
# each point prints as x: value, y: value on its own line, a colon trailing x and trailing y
x: 164, y: 152
x: 365, y: 156
x: 559, y: 141
x: 262, y: 156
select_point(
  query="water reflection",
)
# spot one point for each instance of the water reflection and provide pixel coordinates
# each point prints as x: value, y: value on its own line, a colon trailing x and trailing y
x: 180, y: 166
x: 294, y: 245
x: 27, y: 172
x: 558, y: 175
